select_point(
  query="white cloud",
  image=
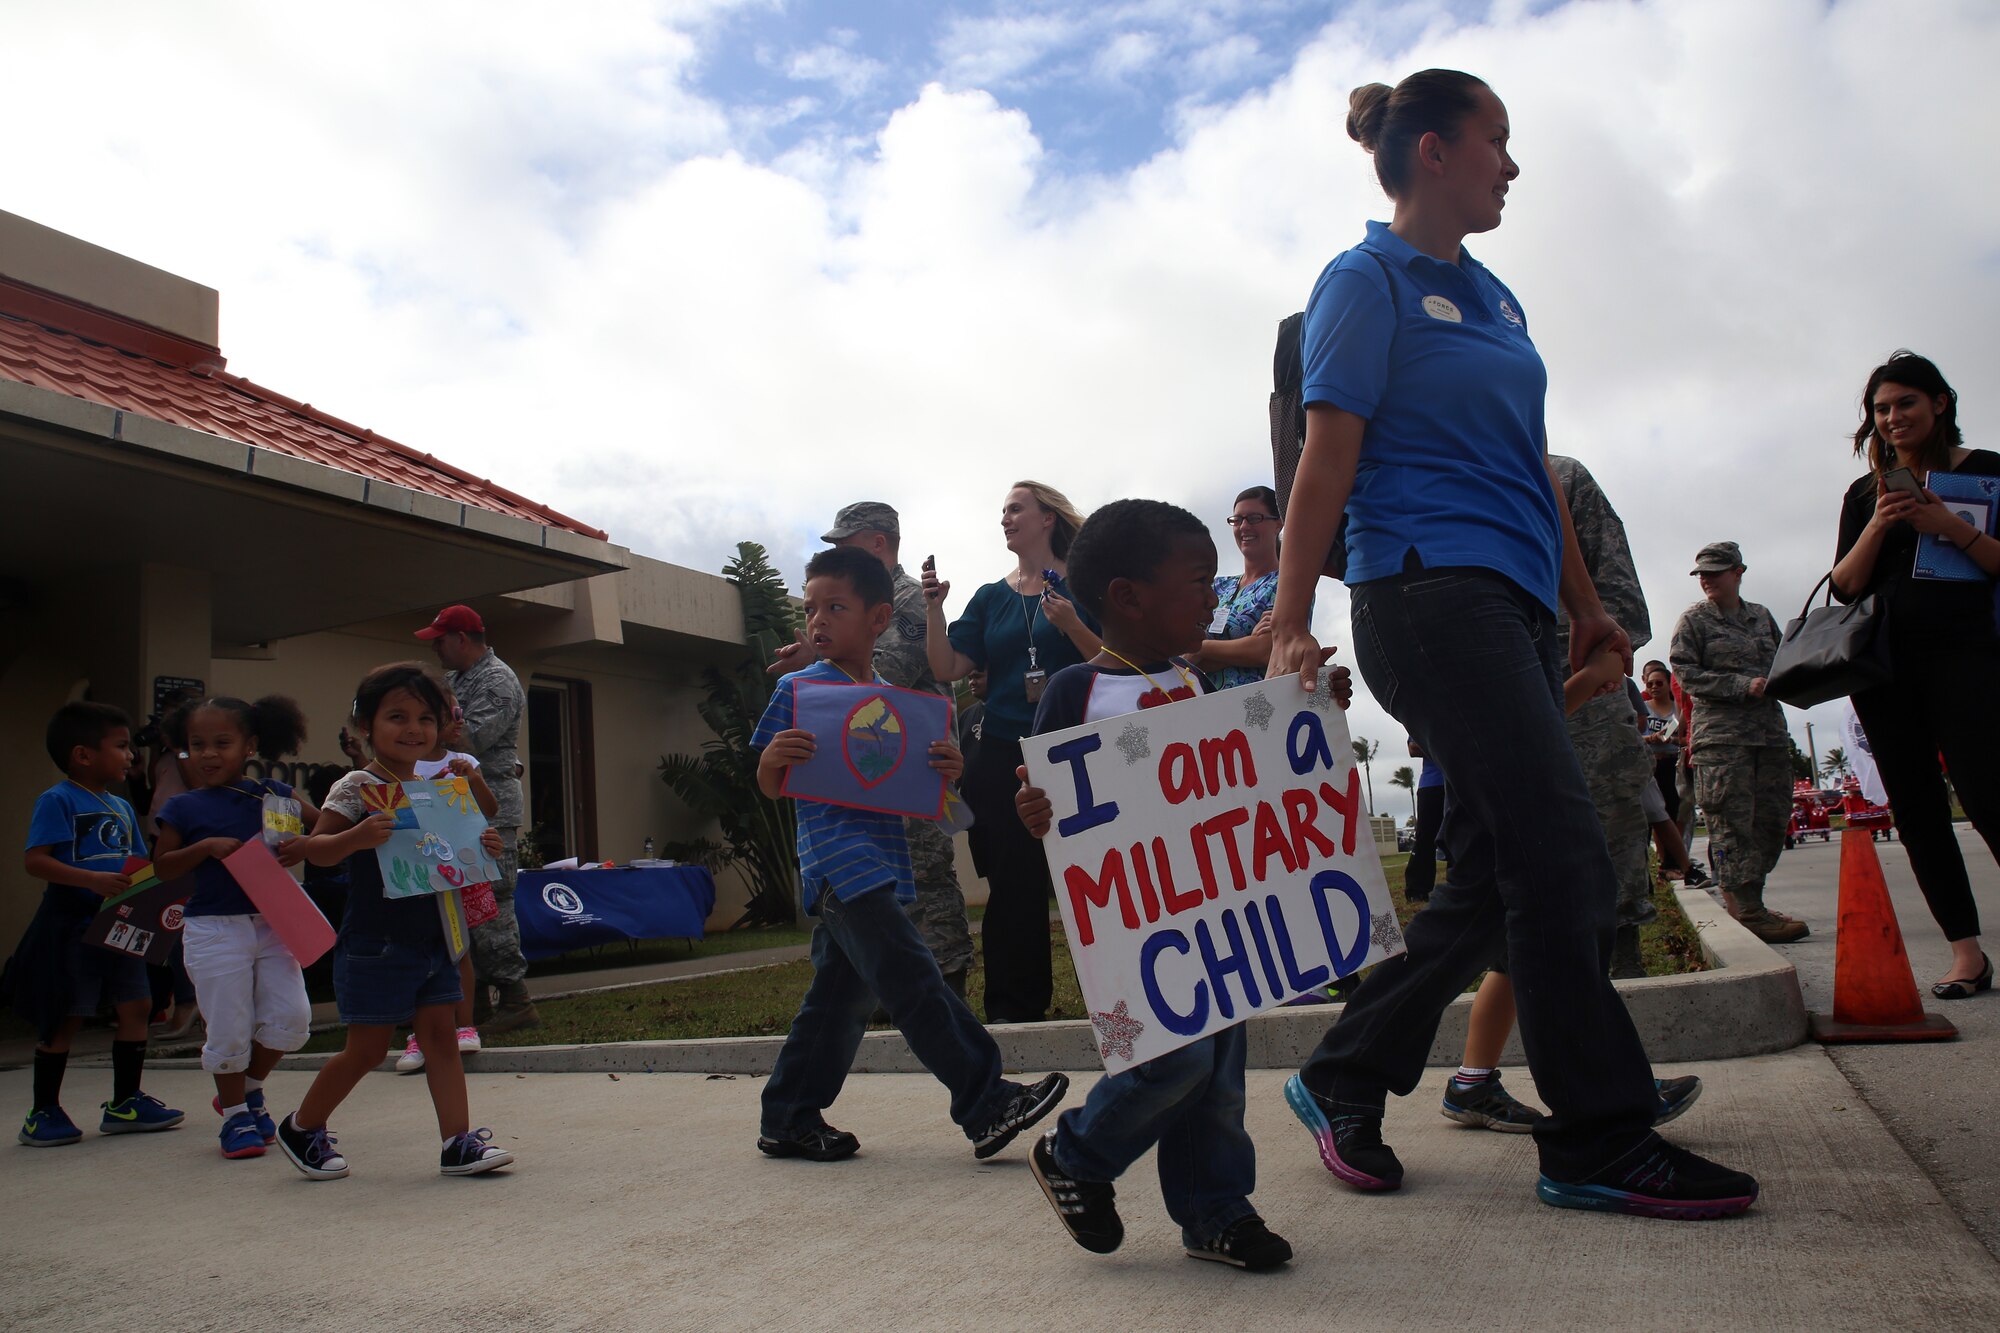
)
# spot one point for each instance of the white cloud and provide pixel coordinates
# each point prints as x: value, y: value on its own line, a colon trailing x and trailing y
x: 849, y: 73
x: 525, y: 245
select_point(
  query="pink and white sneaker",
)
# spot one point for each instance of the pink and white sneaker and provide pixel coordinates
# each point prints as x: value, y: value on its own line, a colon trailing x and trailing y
x: 411, y: 1061
x: 468, y: 1040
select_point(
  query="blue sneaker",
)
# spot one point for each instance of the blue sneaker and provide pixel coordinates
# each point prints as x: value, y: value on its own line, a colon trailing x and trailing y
x: 138, y: 1114
x: 49, y: 1127
x: 1676, y: 1095
x: 1350, y: 1146
x: 1656, y: 1179
x: 267, y: 1128
x: 240, y: 1137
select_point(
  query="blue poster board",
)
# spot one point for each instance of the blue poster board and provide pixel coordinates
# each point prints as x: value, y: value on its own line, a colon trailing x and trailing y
x: 871, y: 747
x: 562, y: 910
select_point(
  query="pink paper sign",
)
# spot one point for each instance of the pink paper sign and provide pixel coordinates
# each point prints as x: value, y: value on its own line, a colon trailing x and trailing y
x: 300, y: 925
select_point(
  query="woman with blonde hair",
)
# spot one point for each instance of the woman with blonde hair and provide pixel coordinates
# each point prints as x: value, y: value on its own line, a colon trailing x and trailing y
x: 1020, y: 630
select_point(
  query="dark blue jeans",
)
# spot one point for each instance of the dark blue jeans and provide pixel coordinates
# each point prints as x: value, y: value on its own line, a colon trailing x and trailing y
x: 863, y: 949
x: 1468, y: 662
x: 1190, y: 1103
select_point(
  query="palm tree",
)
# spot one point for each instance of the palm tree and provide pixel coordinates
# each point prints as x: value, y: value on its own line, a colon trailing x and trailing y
x: 1406, y: 778
x: 1836, y: 765
x: 720, y: 784
x: 1364, y: 754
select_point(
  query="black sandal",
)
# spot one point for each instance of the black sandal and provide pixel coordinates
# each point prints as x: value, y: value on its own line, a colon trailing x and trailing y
x: 1965, y: 990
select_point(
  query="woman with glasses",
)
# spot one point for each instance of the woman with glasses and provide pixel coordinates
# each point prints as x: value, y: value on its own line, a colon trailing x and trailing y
x: 1238, y: 646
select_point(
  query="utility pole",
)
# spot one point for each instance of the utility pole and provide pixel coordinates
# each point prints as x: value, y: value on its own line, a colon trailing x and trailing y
x: 1812, y: 753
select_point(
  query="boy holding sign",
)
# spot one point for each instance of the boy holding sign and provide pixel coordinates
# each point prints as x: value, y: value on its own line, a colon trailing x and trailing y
x: 1147, y: 570
x: 854, y: 866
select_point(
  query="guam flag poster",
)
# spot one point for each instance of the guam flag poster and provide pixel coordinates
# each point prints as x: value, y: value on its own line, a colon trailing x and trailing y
x: 872, y: 747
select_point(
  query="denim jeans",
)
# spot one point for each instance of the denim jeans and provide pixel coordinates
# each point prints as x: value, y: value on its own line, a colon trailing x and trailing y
x: 1190, y: 1103
x: 862, y: 949
x: 1469, y: 664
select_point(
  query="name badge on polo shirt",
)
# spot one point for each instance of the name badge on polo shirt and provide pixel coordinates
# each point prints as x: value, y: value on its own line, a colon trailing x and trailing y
x: 1437, y: 307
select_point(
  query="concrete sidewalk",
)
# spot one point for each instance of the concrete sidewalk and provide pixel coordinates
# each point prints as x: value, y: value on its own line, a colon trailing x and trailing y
x: 640, y: 1203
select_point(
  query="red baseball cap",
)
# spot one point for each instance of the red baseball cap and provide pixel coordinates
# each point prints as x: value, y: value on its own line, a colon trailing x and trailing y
x: 453, y: 620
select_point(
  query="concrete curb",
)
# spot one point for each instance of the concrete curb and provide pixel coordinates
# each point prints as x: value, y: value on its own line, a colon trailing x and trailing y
x: 1747, y: 1004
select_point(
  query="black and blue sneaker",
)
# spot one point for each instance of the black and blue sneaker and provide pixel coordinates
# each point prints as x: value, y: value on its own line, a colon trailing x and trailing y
x: 138, y: 1114
x: 311, y: 1150
x: 1349, y: 1145
x: 1676, y: 1095
x: 48, y: 1127
x: 1656, y: 1179
x: 471, y: 1153
x: 1487, y: 1105
x: 1245, y: 1243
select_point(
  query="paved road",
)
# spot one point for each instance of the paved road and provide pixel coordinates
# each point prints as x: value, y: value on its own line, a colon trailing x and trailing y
x: 641, y: 1204
x: 1940, y: 1099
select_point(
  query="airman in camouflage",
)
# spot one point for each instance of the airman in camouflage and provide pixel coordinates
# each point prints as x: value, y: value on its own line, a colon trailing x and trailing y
x: 900, y: 659
x: 1604, y: 732
x: 1722, y: 653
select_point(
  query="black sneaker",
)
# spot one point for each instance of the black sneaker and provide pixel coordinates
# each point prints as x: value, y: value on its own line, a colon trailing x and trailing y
x: 1696, y: 877
x: 472, y: 1154
x: 1246, y: 1243
x: 1656, y: 1179
x: 1676, y: 1095
x: 1088, y: 1208
x: 1487, y: 1105
x: 821, y: 1143
x: 1350, y: 1145
x: 311, y: 1151
x: 1022, y: 1110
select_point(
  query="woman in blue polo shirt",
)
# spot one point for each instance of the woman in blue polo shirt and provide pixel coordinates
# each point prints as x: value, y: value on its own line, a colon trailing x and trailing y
x: 1424, y: 400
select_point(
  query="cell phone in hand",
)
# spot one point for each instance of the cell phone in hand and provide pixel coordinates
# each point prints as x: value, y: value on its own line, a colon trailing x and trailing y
x: 930, y: 563
x: 1904, y: 480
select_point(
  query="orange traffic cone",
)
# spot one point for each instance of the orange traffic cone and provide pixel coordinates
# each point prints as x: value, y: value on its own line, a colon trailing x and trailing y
x: 1874, y: 991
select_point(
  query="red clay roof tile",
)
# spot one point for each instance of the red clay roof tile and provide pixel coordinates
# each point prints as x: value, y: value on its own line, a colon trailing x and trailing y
x: 231, y: 406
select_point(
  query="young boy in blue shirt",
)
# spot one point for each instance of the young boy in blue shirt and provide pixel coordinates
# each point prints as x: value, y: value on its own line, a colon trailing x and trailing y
x: 855, y: 871
x: 1147, y: 571
x: 78, y: 842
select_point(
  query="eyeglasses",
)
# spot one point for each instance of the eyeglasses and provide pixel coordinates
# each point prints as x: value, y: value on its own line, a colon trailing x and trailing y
x: 1238, y: 520
x: 457, y: 713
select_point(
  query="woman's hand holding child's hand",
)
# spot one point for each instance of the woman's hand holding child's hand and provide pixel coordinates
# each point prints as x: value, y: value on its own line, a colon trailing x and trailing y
x: 946, y: 759
x: 1033, y: 805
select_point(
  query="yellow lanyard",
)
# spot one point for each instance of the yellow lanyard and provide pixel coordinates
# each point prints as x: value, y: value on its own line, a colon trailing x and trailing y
x: 1164, y: 693
x: 850, y: 679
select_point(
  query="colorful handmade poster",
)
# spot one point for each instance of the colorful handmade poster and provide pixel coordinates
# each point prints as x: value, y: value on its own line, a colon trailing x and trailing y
x: 871, y: 747
x: 1973, y: 498
x: 299, y: 925
x: 435, y: 847
x: 1212, y: 860
x: 145, y: 920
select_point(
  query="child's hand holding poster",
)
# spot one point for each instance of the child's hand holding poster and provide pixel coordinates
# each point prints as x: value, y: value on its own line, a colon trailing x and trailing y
x: 871, y: 747
x: 145, y: 920
x: 1212, y: 859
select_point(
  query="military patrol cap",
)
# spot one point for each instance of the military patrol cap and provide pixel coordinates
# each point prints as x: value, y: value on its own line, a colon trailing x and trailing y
x: 864, y: 516
x: 1717, y: 558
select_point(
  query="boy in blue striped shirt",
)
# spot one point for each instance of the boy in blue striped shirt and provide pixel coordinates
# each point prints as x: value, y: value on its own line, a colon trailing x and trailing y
x: 854, y: 868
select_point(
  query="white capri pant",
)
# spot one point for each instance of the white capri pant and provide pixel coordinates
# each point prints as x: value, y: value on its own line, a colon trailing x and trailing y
x: 249, y: 986
x: 1654, y: 804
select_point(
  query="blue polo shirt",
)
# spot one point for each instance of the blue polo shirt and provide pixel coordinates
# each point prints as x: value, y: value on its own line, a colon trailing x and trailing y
x: 1436, y: 357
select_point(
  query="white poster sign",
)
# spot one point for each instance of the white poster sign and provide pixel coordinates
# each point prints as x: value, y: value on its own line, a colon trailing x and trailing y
x: 1211, y: 860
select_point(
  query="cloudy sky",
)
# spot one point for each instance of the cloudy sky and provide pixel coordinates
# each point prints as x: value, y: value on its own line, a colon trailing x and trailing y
x: 698, y: 270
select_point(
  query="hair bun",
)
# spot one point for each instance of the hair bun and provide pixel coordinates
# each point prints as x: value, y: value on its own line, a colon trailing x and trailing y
x: 1366, y: 106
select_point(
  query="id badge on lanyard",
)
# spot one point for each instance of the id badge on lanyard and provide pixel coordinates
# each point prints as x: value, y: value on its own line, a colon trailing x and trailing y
x: 1033, y: 683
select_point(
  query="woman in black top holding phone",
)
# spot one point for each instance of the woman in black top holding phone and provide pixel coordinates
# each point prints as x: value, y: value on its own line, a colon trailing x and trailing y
x: 1943, y: 649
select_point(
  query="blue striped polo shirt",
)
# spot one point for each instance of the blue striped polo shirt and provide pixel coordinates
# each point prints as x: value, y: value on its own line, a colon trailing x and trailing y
x: 842, y: 850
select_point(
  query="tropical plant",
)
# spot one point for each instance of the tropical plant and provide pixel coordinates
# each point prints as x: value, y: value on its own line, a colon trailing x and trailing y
x: 1364, y: 755
x: 1406, y: 778
x: 1836, y: 765
x: 759, y: 835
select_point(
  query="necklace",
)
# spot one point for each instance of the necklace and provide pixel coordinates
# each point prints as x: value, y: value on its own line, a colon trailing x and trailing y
x: 97, y: 796
x: 1149, y: 679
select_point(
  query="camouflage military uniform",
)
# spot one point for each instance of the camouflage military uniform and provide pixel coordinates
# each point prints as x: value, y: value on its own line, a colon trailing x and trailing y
x: 1742, y: 753
x: 1604, y: 732
x: 489, y: 693
x: 939, y: 909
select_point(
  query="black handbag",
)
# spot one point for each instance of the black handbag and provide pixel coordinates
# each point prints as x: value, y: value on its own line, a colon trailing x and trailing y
x: 1830, y: 651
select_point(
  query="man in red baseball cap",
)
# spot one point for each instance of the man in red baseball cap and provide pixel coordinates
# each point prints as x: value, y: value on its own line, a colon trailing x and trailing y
x: 491, y: 702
